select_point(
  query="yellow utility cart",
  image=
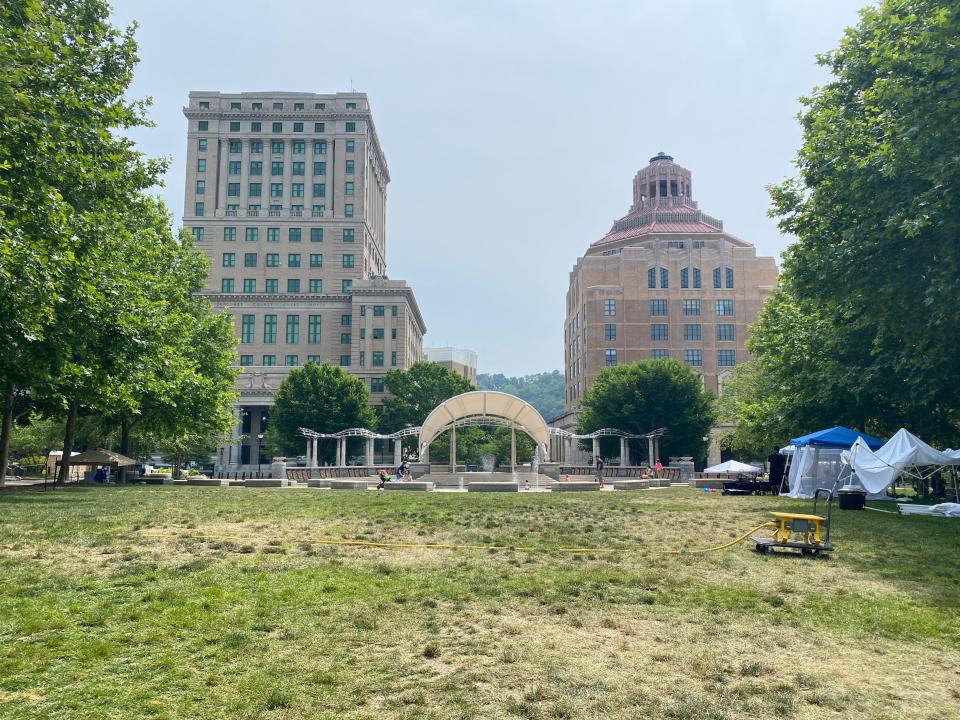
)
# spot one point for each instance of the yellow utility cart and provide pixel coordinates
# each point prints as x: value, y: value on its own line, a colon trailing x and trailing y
x: 810, y: 534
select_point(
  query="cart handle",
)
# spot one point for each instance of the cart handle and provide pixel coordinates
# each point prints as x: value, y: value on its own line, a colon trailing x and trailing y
x: 830, y: 495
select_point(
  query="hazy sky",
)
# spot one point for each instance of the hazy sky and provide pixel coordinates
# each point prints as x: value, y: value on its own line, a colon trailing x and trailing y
x: 512, y: 130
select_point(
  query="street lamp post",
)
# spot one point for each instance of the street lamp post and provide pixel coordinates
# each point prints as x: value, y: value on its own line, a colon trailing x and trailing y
x: 259, y: 456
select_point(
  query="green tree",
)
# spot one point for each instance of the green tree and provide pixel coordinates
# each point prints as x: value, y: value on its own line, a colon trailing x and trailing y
x: 876, y: 212
x: 319, y: 397
x: 650, y: 394
x: 542, y: 390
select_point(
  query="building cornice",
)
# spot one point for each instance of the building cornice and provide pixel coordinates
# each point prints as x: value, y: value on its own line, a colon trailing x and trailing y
x: 384, y: 291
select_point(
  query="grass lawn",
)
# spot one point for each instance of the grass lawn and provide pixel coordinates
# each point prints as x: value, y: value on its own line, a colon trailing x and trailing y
x: 163, y: 602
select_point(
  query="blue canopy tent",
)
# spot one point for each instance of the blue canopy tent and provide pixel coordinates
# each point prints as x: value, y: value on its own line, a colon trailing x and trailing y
x: 816, y: 458
x: 836, y: 437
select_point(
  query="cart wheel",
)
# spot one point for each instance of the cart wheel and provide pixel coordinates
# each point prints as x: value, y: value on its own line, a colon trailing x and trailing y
x: 816, y: 553
x: 806, y: 551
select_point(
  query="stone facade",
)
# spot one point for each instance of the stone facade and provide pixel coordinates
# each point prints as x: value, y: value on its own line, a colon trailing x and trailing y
x: 463, y: 362
x: 666, y: 281
x: 286, y: 193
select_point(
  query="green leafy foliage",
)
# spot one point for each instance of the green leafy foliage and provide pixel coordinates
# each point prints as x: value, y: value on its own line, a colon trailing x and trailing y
x: 414, y: 393
x: 542, y: 390
x: 320, y: 397
x: 650, y: 394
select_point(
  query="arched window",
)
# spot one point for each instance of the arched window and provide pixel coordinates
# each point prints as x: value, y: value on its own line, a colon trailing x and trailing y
x: 729, y: 277
x: 684, y: 277
x: 664, y: 278
x: 696, y: 277
x: 652, y: 278
x: 716, y: 278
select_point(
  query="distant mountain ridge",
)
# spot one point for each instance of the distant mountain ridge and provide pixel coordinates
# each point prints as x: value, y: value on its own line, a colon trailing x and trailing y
x: 542, y: 390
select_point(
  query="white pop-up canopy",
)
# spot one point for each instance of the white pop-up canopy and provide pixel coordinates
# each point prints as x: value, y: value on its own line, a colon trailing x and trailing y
x: 904, y: 453
x: 732, y: 466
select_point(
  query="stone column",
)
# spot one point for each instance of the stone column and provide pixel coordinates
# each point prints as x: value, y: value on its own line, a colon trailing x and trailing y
x: 341, y: 452
x: 624, y: 453
x: 307, y: 453
x: 369, y: 452
x: 234, y: 450
x: 596, y: 450
x: 313, y: 455
x: 513, y: 447
x: 397, y: 452
x: 453, y: 448
x: 651, y: 457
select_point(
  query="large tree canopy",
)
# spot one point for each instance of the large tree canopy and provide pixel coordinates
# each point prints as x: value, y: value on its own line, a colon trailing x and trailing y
x: 874, y: 276
x: 650, y: 394
x: 319, y: 397
x: 414, y: 393
x: 542, y: 390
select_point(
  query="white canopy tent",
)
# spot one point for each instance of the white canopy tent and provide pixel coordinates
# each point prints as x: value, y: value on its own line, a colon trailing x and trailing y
x: 732, y: 466
x: 903, y: 454
x: 812, y: 467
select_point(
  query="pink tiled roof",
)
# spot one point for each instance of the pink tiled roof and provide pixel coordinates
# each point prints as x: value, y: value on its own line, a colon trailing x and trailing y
x: 656, y: 227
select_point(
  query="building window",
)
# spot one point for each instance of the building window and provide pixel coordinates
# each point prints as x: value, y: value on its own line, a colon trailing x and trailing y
x: 277, y: 127
x: 724, y: 307
x: 198, y: 234
x: 201, y: 186
x: 393, y: 333
x: 319, y: 168
x: 273, y: 259
x: 255, y: 126
x: 298, y: 127
x: 316, y: 260
x: 348, y: 210
x: 319, y: 127
x: 226, y: 285
x: 316, y: 286
x: 664, y: 278
x: 314, y: 359
x: 610, y: 357
x: 693, y: 358
x: 271, y: 286
x: 376, y: 385
x: 344, y: 361
x: 276, y: 190
x: 291, y: 360
x: 203, y: 125
x: 652, y: 278
x: 363, y: 311
x: 345, y: 285
x: 269, y: 360
x: 696, y: 278
x: 293, y: 234
x: 691, y: 332
x: 253, y: 210
x: 725, y: 333
x: 276, y: 147
x: 246, y: 360
x: 349, y: 146
x: 256, y: 167
x: 320, y: 147
x: 378, y: 333
x: 658, y: 307
x: 232, y: 210
x: 349, y: 167
x: 609, y: 332
x: 276, y: 167
x: 348, y: 235
x: 235, y: 126
x: 691, y: 307
x: 201, y: 164
x: 254, y: 189
x: 716, y: 277
x: 229, y: 259
x: 270, y: 328
x: 293, y: 329
x: 378, y: 310
x: 728, y: 277
x: 313, y: 329
x: 198, y: 209
x: 377, y: 359
x: 345, y: 338
x: 659, y: 354
x: 316, y: 234
x: 233, y: 189
x: 248, y: 326
x: 346, y: 320
x: 610, y: 307
x: 684, y: 277
x: 658, y: 331
x: 351, y: 127
x: 298, y: 168
x: 726, y: 358
x: 278, y: 106
x: 348, y: 188
x: 297, y: 190
x: 249, y: 285
x: 393, y: 359
x: 363, y: 333
x: 298, y: 106
x: 229, y: 234
x: 348, y: 261
x: 256, y: 147
x: 293, y: 285
x: 273, y: 234
x: 201, y: 143
x: 204, y: 104
x: 319, y: 189
x: 236, y: 146
x: 249, y: 259
x: 678, y: 244
x: 293, y: 260
x: 393, y: 310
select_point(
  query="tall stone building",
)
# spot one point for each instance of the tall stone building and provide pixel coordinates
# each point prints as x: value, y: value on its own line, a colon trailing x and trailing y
x: 461, y: 361
x: 665, y: 281
x: 287, y: 195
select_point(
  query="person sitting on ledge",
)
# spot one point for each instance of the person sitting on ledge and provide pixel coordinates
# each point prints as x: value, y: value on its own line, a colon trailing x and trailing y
x: 647, y: 473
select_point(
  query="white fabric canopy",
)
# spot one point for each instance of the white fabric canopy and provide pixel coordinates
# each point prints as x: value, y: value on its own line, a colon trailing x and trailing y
x: 732, y: 466
x: 480, y: 403
x: 877, y: 470
x: 813, y: 467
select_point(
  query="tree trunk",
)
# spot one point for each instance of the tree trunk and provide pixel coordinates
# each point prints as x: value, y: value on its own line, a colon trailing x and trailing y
x: 177, y: 463
x: 6, y: 431
x: 68, y: 443
x: 124, y: 447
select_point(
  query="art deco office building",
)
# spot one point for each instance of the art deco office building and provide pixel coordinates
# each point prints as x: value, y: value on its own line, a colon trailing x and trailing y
x: 666, y: 281
x: 286, y: 193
